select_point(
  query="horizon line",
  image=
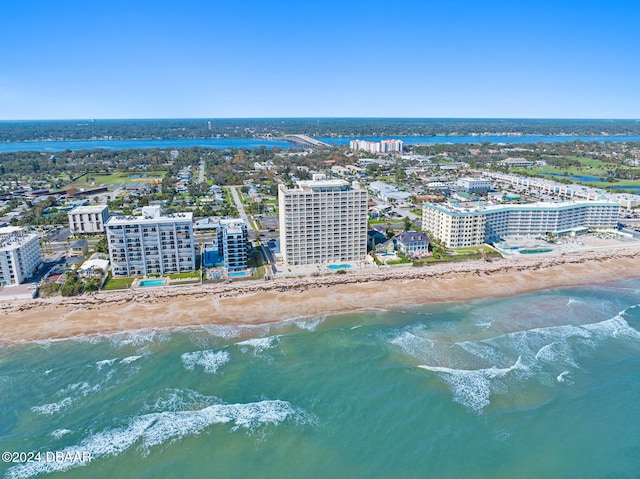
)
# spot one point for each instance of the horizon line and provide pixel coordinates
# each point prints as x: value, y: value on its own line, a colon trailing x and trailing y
x: 94, y: 119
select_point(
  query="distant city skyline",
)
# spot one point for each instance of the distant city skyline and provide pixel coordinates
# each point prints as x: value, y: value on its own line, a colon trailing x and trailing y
x: 414, y: 59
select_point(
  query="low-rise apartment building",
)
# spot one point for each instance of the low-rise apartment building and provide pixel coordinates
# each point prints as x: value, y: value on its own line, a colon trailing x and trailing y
x: 88, y: 219
x: 473, y: 185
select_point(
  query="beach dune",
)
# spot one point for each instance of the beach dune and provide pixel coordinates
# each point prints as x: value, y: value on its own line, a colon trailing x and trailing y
x: 254, y: 302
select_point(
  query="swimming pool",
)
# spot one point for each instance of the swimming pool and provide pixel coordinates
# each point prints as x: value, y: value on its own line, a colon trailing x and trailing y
x: 339, y: 266
x: 152, y: 282
x: 238, y: 274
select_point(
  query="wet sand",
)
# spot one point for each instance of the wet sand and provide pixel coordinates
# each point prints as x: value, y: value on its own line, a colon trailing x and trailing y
x: 255, y: 302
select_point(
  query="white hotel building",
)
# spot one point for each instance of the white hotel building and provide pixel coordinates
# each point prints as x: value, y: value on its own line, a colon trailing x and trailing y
x: 88, y: 219
x: 323, y: 221
x: 19, y: 255
x: 458, y: 227
x: 151, y: 243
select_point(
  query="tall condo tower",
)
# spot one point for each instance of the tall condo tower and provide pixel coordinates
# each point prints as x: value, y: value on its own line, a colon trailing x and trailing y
x: 323, y: 221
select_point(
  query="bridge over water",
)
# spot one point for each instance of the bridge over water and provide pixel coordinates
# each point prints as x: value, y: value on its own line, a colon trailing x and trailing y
x: 306, y: 141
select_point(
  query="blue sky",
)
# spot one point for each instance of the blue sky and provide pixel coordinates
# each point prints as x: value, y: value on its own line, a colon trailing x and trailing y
x: 228, y: 59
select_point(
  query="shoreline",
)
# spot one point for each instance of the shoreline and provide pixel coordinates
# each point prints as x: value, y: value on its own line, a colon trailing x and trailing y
x: 262, y: 302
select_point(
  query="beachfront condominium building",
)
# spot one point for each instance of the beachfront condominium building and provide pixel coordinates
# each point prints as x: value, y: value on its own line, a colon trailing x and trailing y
x: 323, y: 221
x: 19, y: 255
x: 233, y: 243
x: 151, y: 244
x: 384, y: 146
x: 88, y: 219
x: 459, y: 226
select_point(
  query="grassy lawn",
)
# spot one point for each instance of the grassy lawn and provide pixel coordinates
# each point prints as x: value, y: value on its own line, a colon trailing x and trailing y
x: 101, y: 179
x: 473, y: 249
x: 118, y: 283
x: 596, y: 169
x: 461, y: 254
x: 398, y: 261
x: 186, y: 275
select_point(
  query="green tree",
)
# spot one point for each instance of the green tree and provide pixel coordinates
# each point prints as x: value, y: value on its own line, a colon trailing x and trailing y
x: 102, y: 246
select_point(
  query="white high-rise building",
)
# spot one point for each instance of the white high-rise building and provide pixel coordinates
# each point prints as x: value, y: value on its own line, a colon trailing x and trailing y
x: 20, y: 255
x: 323, y: 221
x: 383, y: 146
x: 151, y: 243
x: 387, y: 146
x: 459, y: 227
x: 233, y: 243
x: 88, y: 219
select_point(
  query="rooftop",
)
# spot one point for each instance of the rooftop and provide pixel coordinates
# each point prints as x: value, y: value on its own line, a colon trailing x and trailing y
x: 173, y: 218
x: 78, y: 210
x: 479, y: 206
x: 13, y: 236
x: 78, y: 244
x: 411, y: 237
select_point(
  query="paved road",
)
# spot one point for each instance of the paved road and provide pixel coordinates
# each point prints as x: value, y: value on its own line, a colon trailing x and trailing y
x: 240, y: 207
x: 406, y: 212
x: 63, y: 234
x: 201, y: 174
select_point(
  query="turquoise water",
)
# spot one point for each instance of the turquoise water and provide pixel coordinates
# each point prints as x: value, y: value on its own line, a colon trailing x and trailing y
x: 339, y: 266
x: 152, y: 282
x: 238, y: 274
x: 223, y: 143
x: 542, y: 385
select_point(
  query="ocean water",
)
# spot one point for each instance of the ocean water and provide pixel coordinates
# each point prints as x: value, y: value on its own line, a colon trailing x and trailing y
x: 532, y: 386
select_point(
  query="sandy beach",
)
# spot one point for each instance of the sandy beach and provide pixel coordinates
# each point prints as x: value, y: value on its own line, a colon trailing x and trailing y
x: 254, y: 302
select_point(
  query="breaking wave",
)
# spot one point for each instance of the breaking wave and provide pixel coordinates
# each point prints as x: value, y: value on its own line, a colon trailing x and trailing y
x: 72, y: 394
x: 130, y: 359
x: 153, y: 429
x: 472, y: 388
x: 474, y: 369
x: 208, y: 359
x: 258, y: 345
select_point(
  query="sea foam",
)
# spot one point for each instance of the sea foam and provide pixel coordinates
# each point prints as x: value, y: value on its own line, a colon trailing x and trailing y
x: 472, y: 388
x: 105, y: 362
x: 71, y: 393
x: 58, y: 433
x: 130, y: 359
x: 53, y: 408
x: 208, y: 359
x: 258, y: 345
x: 472, y: 368
x: 154, y: 429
